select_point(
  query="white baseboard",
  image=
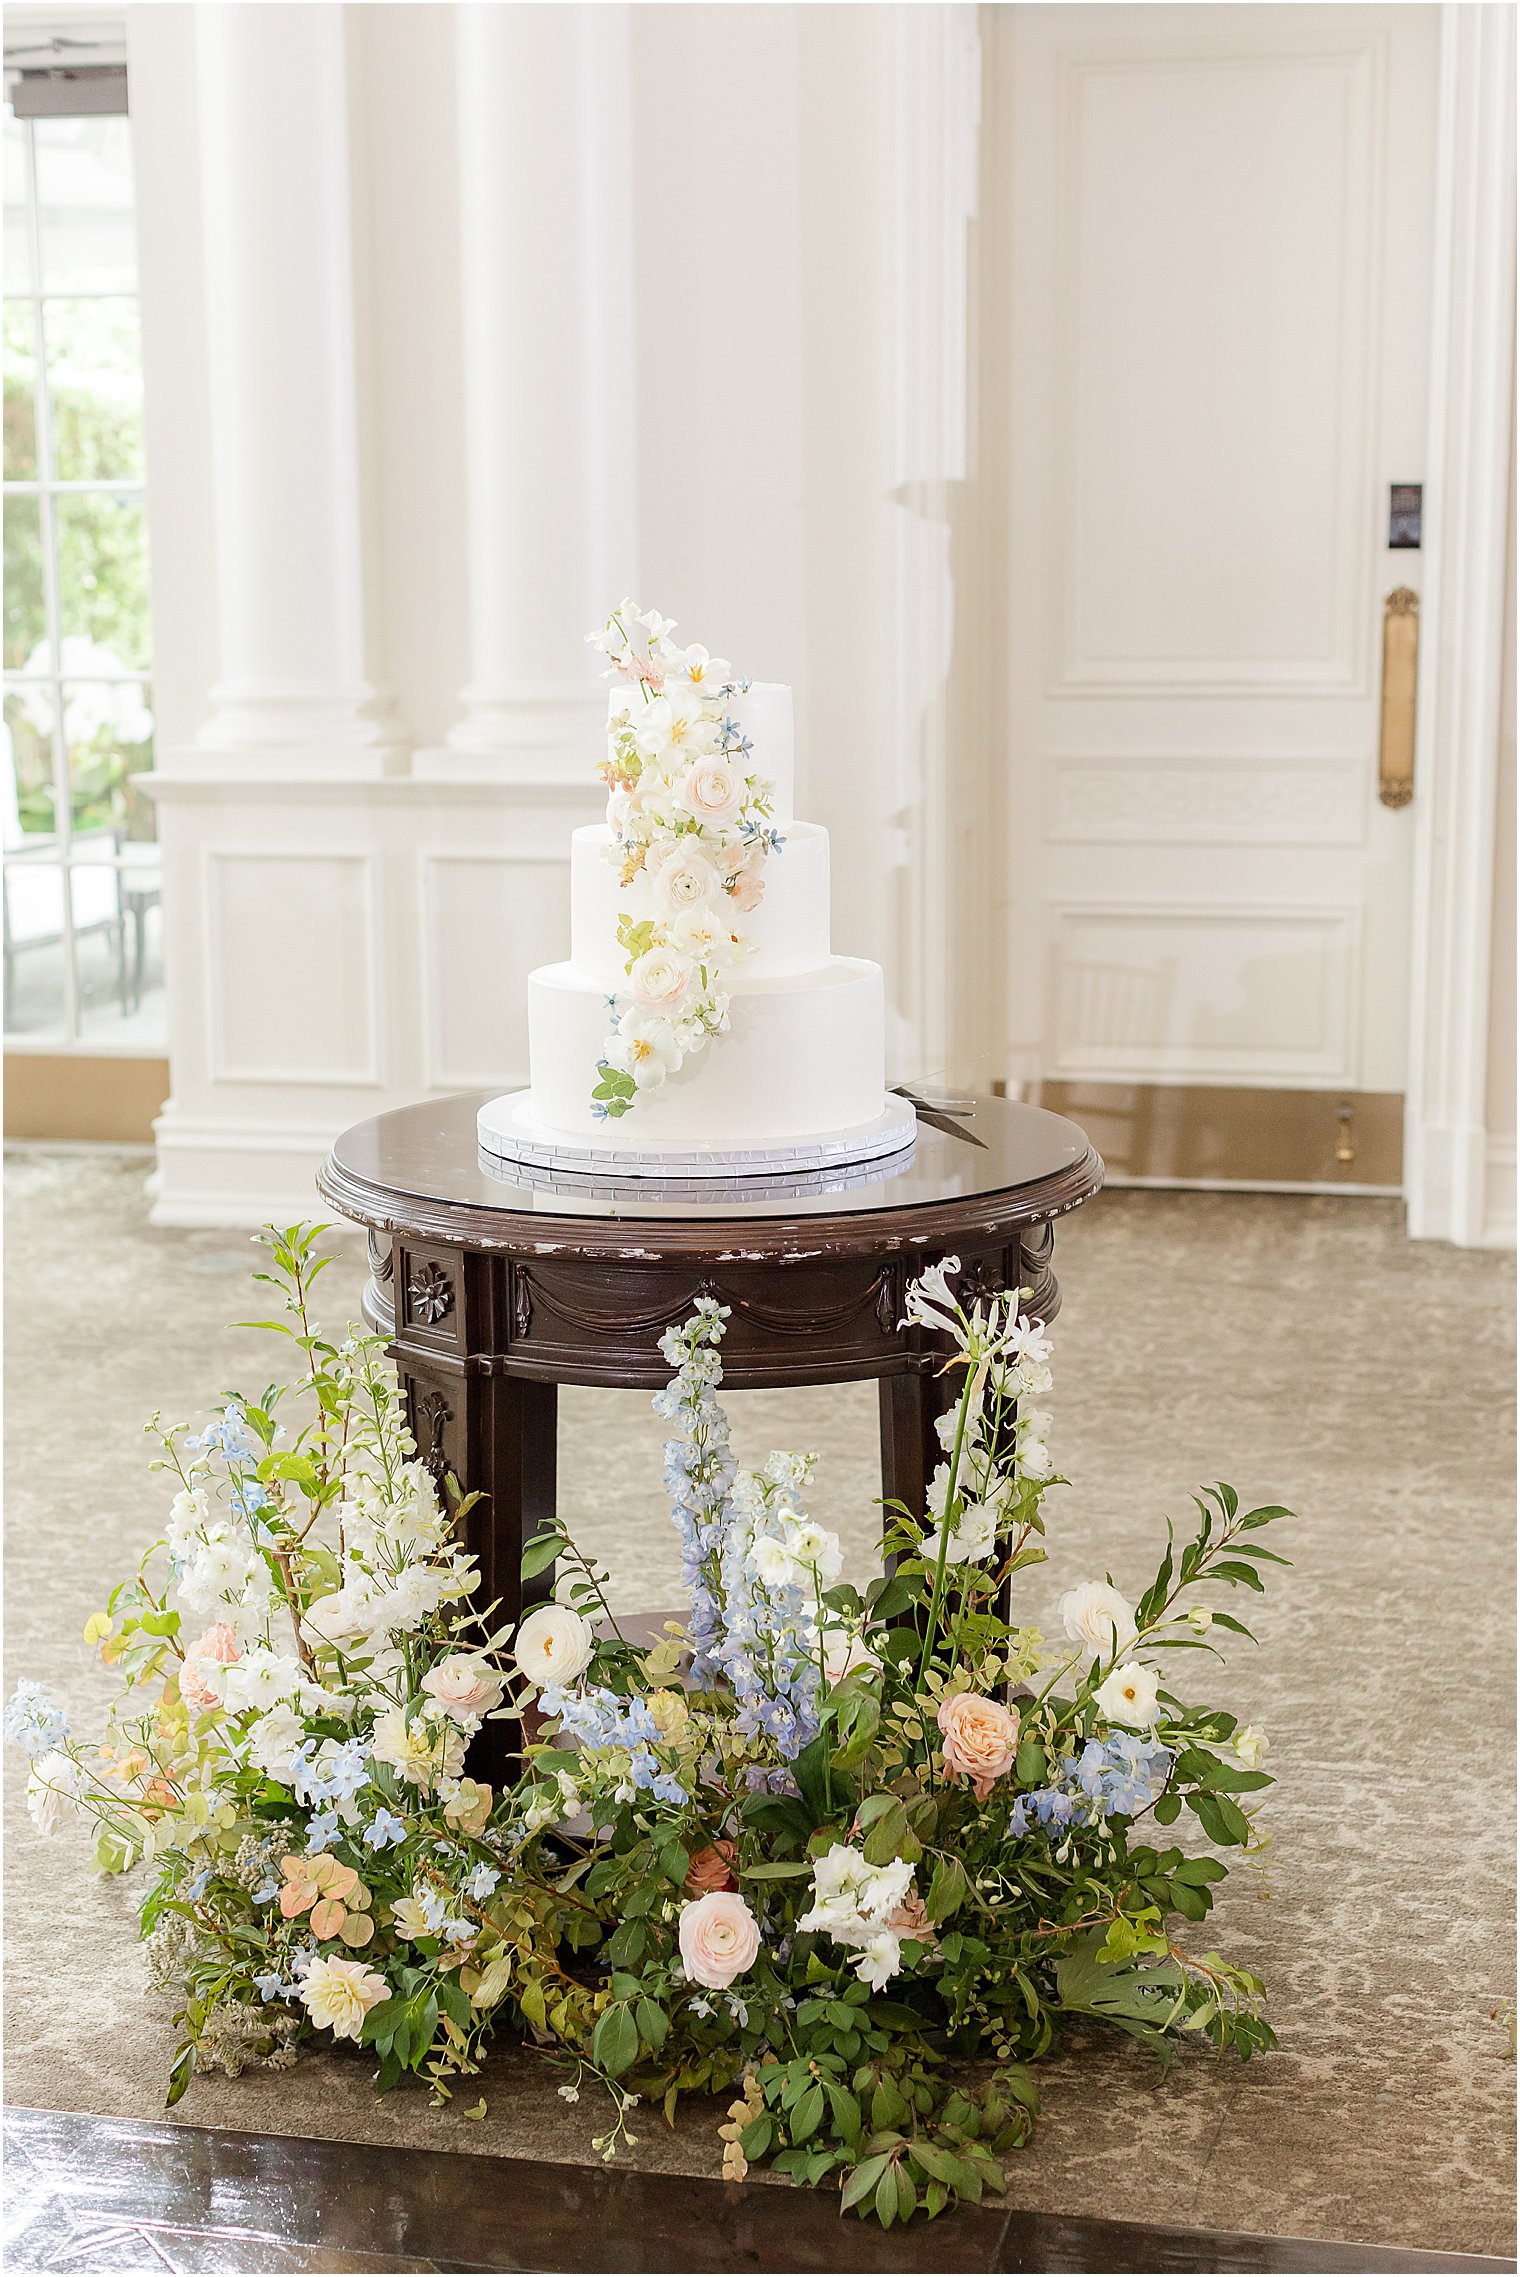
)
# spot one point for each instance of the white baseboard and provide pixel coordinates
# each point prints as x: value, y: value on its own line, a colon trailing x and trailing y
x: 240, y: 1177
x: 1499, y: 1196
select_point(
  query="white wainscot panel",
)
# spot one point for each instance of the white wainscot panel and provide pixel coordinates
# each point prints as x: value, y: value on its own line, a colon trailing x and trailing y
x: 1244, y: 802
x: 1226, y: 995
x: 293, y: 955
x: 1217, y: 219
x: 486, y: 922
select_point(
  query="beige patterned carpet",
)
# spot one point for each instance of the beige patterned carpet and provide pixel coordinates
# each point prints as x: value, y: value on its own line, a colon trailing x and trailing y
x: 1300, y: 1348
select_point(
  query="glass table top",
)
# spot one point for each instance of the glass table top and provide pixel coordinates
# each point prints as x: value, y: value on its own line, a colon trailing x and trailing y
x: 429, y: 1153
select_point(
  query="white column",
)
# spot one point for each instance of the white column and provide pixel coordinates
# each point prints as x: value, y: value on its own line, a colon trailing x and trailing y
x: 294, y: 687
x: 1462, y: 625
x: 545, y: 198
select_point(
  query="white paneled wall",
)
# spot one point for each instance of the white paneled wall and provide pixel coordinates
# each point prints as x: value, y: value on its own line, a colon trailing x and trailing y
x: 460, y: 322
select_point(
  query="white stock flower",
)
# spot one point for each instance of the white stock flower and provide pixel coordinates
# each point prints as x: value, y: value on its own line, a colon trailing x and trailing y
x: 1095, y: 1616
x: 54, y: 1786
x: 1128, y: 1695
x: 260, y: 1678
x: 221, y: 1572
x: 273, y: 1740
x: 553, y: 1645
x: 973, y: 1537
x: 189, y: 1513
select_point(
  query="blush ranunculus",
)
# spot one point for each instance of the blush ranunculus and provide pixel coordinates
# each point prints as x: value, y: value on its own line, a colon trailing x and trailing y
x: 713, y: 789
x: 216, y: 1648
x: 711, y: 1869
x: 464, y: 1685
x: 719, y: 1939
x: 981, y: 1740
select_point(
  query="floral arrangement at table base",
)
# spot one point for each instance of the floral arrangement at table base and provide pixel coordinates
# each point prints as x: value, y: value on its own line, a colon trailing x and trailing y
x: 804, y: 1853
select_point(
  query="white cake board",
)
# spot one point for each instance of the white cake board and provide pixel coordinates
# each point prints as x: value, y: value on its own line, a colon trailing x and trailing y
x: 509, y: 1133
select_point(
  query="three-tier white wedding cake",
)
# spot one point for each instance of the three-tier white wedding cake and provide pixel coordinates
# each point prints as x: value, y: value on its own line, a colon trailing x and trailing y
x: 702, y: 1023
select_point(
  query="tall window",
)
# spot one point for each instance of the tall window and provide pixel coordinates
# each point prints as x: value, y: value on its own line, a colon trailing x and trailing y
x: 83, y: 961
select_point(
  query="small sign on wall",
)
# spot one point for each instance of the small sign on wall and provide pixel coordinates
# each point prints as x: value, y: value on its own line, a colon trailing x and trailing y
x: 1404, y: 500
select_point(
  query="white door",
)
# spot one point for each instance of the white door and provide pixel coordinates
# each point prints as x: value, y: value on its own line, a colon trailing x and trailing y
x: 1210, y: 247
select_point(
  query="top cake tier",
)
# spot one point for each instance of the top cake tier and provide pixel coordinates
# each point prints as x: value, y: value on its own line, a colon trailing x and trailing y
x: 763, y: 715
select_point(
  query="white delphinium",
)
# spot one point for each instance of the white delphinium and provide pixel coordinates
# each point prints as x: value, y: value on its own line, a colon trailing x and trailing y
x: 54, y: 1788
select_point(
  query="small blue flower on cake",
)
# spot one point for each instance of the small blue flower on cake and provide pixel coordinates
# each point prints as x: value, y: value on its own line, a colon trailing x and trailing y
x: 685, y: 813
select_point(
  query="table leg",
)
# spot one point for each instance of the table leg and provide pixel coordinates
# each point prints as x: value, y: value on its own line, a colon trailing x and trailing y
x: 496, y: 1434
x: 910, y: 1449
x: 514, y: 1461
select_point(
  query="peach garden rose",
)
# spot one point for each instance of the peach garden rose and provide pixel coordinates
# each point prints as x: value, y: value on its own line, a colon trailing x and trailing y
x: 464, y: 1685
x: 981, y: 1740
x: 216, y: 1648
x: 719, y: 1939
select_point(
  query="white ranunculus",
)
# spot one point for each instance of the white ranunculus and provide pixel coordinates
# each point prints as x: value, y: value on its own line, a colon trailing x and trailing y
x: 1250, y: 1744
x: 685, y: 879
x: 553, y: 1645
x: 842, y: 1651
x: 1128, y: 1695
x: 661, y: 979
x: 53, y: 1788
x: 1096, y: 1616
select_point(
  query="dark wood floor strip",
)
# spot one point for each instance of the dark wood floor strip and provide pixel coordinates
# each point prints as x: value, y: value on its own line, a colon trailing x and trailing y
x: 119, y: 2194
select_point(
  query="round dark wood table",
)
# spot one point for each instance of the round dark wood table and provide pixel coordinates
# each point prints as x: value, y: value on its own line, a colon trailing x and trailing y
x: 494, y: 1291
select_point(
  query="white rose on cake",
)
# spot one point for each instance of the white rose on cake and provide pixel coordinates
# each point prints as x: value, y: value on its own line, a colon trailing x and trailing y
x: 685, y: 879
x: 713, y: 789
x: 661, y: 979
x: 645, y: 1047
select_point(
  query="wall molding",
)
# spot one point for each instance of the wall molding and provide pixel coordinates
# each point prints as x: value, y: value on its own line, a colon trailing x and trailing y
x: 1462, y: 612
x: 215, y: 860
x: 1236, y: 801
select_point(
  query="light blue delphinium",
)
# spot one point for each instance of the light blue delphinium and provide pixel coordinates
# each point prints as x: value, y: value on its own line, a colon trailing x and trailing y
x: 33, y: 1722
x: 384, y: 1831
x: 699, y: 1471
x: 602, y: 1719
x: 321, y: 1832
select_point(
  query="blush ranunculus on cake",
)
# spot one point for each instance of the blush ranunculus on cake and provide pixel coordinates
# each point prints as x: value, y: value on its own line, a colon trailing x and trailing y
x: 702, y: 1021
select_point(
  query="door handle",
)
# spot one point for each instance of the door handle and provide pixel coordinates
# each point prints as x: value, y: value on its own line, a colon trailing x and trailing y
x: 1401, y: 663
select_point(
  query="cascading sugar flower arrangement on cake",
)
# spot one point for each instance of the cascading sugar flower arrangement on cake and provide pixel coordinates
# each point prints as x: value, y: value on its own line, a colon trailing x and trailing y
x: 702, y: 1023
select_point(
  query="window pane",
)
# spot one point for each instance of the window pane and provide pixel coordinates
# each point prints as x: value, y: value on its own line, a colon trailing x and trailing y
x: 84, y: 191
x: 18, y: 227
x: 34, y: 1004
x: 109, y: 732
x: 29, y: 804
x: 26, y: 648
x: 94, y: 362
x: 102, y: 583
x: 20, y: 392
x: 119, y: 951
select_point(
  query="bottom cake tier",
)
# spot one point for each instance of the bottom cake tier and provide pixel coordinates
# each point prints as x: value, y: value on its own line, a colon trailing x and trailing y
x: 803, y: 1059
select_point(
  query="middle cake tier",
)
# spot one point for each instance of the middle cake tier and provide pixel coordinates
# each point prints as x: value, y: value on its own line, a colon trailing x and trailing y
x: 789, y: 929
